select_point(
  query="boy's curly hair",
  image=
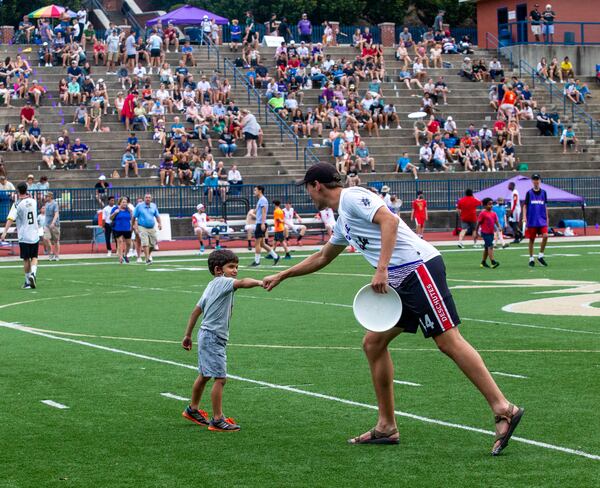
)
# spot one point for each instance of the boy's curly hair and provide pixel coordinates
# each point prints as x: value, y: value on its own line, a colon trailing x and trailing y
x: 220, y: 258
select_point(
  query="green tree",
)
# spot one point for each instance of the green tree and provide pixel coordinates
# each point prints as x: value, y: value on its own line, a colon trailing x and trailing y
x: 12, y: 11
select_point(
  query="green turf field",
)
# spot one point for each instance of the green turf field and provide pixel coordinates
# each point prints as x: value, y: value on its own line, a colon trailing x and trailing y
x: 302, y: 385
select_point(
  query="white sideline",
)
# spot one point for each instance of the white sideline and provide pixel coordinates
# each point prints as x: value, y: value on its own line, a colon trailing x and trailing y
x: 54, y: 404
x: 407, y: 383
x: 544, y: 445
x: 175, y: 397
x: 510, y: 375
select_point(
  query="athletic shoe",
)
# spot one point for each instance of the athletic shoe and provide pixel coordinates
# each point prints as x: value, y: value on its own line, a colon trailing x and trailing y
x: 126, y: 258
x: 268, y: 256
x: 218, y: 248
x: 32, y: 281
x: 201, y: 249
x: 199, y: 417
x: 139, y: 260
x: 505, y: 245
x: 484, y: 265
x: 26, y: 286
x: 223, y: 425
x: 495, y: 264
x: 532, y: 263
x: 254, y: 263
x: 249, y: 248
x: 108, y: 254
x: 288, y: 256
x: 461, y: 245
x: 542, y: 261
x: 276, y: 260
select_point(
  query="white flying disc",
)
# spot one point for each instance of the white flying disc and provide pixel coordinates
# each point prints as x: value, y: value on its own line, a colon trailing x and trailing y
x: 417, y: 115
x: 377, y: 312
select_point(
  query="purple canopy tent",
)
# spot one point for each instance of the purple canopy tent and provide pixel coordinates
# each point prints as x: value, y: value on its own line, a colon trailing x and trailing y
x: 523, y: 185
x: 187, y: 15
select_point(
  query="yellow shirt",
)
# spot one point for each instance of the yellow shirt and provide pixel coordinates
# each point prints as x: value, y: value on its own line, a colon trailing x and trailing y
x: 566, y: 66
x: 278, y: 218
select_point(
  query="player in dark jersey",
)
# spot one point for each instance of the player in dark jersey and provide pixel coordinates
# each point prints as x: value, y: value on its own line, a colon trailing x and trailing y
x: 535, y: 217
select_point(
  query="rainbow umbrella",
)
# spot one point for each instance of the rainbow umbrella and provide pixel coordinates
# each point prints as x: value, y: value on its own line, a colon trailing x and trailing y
x: 50, y: 11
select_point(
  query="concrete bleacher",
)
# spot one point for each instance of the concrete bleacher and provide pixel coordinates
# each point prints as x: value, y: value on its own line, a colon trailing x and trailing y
x: 277, y: 163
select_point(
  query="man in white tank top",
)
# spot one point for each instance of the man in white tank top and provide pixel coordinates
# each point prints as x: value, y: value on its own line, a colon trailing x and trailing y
x: 415, y: 269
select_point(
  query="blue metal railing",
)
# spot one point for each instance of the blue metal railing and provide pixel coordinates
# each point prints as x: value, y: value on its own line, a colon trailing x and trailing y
x: 267, y: 112
x: 492, y: 42
x: 181, y: 201
x: 310, y: 157
x: 570, y: 33
x: 556, y: 94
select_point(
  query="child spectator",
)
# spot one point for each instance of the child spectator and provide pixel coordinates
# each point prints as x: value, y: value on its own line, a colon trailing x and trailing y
x: 419, y: 213
x: 500, y: 210
x: 488, y: 222
x: 216, y: 304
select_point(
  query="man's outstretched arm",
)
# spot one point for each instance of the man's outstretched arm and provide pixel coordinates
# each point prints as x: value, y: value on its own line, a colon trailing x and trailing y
x: 313, y: 263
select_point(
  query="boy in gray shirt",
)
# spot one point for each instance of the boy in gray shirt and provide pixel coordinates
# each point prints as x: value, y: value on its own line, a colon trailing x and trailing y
x: 216, y: 304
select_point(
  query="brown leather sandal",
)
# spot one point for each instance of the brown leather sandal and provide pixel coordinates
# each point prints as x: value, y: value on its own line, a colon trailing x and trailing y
x: 377, y: 437
x: 513, y: 420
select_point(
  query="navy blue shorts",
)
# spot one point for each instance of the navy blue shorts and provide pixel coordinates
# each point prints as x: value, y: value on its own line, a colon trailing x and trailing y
x: 427, y: 301
x: 488, y: 240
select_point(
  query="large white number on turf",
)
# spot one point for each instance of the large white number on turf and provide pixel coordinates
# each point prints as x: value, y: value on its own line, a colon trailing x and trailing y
x: 576, y: 300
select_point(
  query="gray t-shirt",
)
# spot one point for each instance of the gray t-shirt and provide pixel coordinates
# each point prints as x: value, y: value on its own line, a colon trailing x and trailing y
x: 262, y: 203
x: 130, y: 45
x: 217, y: 303
x: 51, y: 210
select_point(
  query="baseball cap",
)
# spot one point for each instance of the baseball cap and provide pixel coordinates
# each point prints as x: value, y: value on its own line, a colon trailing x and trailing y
x: 536, y: 176
x: 199, y: 207
x: 30, y: 176
x: 385, y: 189
x: 321, y: 172
x: 102, y: 177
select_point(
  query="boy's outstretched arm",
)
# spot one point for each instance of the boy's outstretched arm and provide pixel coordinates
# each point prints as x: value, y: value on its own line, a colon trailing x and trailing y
x: 247, y: 283
x: 187, y: 338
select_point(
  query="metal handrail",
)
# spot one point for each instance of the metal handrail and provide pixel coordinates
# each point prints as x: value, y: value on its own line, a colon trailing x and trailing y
x: 518, y: 30
x: 577, y: 113
x: 268, y: 112
x: 492, y: 40
x: 310, y: 157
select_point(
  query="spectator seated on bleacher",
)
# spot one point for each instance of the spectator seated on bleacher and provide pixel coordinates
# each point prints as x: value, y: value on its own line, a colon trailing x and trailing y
x: 544, y: 123
x: 568, y: 139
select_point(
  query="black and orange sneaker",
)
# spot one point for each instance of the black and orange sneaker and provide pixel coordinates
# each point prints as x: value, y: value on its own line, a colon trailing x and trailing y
x: 199, y: 417
x: 223, y: 425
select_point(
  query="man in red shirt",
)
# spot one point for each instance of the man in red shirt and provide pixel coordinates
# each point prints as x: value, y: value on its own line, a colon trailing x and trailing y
x: 27, y: 114
x: 467, y: 211
x: 433, y: 127
x: 419, y: 213
x: 488, y: 222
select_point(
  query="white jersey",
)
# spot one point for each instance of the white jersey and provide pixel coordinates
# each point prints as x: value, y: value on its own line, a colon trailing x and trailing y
x: 106, y: 214
x: 515, y: 206
x: 354, y: 225
x: 327, y: 217
x: 288, y: 215
x: 24, y: 213
x: 199, y: 220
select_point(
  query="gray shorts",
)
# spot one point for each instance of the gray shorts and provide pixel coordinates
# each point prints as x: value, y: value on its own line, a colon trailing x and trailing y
x: 212, y: 356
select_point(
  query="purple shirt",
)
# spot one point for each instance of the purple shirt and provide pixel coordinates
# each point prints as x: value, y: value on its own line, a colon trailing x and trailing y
x: 305, y: 27
x: 536, y: 208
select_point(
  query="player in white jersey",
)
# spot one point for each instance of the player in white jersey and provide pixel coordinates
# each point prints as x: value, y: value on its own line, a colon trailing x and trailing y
x: 328, y: 218
x: 250, y: 226
x: 24, y: 213
x: 293, y: 222
x: 415, y: 269
x: 514, y: 213
x: 201, y: 228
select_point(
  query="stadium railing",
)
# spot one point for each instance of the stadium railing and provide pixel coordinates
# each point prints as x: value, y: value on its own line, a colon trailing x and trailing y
x: 418, y: 31
x: 566, y: 33
x: 492, y: 42
x: 577, y: 113
x: 267, y: 113
x: 181, y: 201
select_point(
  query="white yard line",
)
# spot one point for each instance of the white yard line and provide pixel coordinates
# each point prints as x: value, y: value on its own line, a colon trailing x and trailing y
x: 175, y: 397
x: 510, y: 375
x: 530, y: 326
x: 407, y: 383
x: 52, y: 403
x: 321, y: 396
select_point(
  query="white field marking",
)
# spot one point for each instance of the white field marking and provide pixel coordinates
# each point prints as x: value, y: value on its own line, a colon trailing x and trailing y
x: 54, y: 404
x: 554, y: 255
x: 407, y: 383
x: 285, y: 386
x: 300, y: 347
x: 519, y: 248
x: 530, y: 326
x: 321, y: 396
x: 175, y: 397
x: 6, y: 305
x: 510, y: 375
